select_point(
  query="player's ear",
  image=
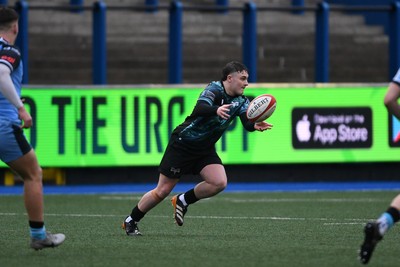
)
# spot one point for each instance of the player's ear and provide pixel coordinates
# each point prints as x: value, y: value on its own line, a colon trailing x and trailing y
x: 14, y: 28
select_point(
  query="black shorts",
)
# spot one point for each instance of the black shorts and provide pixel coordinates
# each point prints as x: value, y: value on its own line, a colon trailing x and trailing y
x: 179, y: 159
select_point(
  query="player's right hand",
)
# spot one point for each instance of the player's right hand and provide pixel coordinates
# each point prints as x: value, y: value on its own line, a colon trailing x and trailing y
x: 25, y: 117
x: 223, y: 111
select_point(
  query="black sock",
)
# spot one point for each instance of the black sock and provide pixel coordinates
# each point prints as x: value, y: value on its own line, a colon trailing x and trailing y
x: 137, y: 214
x: 36, y: 225
x: 394, y: 213
x: 190, y: 197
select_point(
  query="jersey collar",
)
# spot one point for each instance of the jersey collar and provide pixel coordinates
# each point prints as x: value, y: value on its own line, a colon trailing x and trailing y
x: 2, y: 40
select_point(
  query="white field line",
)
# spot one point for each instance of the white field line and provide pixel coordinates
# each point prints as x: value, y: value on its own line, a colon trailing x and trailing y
x: 341, y: 223
x: 283, y: 200
x: 269, y: 200
x: 333, y: 200
x: 328, y: 221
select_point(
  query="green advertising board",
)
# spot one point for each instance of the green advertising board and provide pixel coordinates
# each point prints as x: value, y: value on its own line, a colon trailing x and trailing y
x: 97, y: 126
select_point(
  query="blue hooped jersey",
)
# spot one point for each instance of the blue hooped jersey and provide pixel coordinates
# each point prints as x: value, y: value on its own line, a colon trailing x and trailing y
x: 11, y: 57
x: 204, y: 131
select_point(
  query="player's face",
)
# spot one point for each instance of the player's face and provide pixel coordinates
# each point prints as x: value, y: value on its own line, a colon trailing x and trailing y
x: 238, y: 82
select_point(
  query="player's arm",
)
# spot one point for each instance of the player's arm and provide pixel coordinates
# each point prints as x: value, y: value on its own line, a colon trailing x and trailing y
x: 208, y: 104
x: 248, y: 125
x: 7, y: 89
x: 391, y: 99
x: 251, y: 126
x: 204, y: 109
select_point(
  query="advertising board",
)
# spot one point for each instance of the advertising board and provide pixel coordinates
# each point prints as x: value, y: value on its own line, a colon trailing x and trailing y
x: 110, y: 126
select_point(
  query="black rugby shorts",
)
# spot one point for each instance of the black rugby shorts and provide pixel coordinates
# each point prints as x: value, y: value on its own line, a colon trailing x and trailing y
x: 179, y: 160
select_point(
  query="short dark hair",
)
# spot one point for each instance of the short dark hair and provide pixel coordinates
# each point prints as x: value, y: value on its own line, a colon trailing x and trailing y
x: 231, y: 67
x: 7, y: 16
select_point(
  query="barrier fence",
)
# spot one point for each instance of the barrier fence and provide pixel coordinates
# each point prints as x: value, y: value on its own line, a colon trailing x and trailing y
x: 249, y: 37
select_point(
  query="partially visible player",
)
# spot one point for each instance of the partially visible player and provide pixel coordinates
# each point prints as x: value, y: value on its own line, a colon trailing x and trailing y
x: 191, y: 149
x: 374, y: 231
x: 15, y: 150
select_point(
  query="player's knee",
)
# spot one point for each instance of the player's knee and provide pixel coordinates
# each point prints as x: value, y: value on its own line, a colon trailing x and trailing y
x: 38, y: 173
x: 160, y: 193
x: 220, y: 184
x: 33, y: 175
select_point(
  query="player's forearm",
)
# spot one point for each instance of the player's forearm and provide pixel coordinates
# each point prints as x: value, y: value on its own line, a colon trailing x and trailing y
x: 248, y: 125
x: 7, y: 87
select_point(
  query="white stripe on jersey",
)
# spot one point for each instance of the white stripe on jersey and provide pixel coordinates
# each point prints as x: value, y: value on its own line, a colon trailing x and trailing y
x: 396, y: 78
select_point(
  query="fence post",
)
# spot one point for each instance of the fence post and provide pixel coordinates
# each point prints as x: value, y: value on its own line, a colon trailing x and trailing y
x: 322, y: 43
x: 298, y: 3
x: 223, y: 3
x: 394, y: 40
x: 250, y: 39
x: 152, y: 4
x: 99, y: 45
x: 175, y: 43
x: 22, y: 41
x: 76, y: 5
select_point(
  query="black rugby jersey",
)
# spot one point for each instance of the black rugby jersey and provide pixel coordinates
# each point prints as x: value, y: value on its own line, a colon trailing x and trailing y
x: 202, y: 130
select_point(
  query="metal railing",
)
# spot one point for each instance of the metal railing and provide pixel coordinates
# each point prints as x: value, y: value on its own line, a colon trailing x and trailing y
x: 249, y: 36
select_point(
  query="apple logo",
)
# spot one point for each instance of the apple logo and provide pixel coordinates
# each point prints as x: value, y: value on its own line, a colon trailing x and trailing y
x: 303, y: 129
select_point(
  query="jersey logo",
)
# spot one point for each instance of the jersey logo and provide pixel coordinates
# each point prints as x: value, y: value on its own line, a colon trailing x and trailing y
x: 235, y: 104
x: 175, y: 170
x: 208, y: 94
x: 8, y: 58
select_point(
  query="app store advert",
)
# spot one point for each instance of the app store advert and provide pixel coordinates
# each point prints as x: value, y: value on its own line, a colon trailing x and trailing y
x: 333, y: 127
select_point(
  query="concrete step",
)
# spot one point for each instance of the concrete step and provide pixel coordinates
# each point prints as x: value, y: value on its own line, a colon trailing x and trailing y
x: 353, y: 75
x: 139, y: 76
x: 60, y: 76
x: 139, y: 23
x: 190, y: 75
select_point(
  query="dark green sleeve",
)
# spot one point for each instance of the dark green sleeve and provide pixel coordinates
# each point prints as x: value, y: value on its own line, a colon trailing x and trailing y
x: 248, y: 125
x: 204, y: 109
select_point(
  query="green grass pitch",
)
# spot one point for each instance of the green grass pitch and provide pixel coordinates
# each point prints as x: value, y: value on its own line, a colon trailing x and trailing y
x: 232, y: 229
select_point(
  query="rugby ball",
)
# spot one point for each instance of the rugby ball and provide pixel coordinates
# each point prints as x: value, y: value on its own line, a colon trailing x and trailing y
x: 261, y: 108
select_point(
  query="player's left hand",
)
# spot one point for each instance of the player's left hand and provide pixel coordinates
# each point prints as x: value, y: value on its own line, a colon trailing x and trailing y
x: 262, y: 126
